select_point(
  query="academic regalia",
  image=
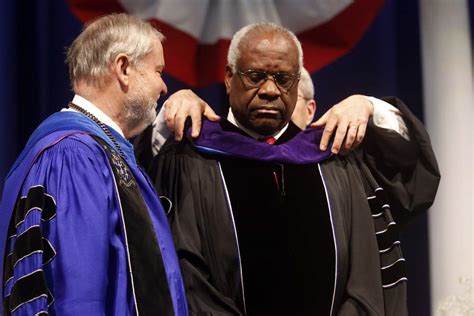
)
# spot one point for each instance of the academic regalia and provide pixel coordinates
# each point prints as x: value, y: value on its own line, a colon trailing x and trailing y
x: 82, y: 230
x: 286, y: 229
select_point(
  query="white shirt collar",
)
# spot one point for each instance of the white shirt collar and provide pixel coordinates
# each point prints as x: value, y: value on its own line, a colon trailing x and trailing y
x: 231, y: 118
x: 94, y: 110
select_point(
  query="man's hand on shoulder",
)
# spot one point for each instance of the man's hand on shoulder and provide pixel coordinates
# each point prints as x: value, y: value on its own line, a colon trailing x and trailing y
x: 347, y: 122
x: 182, y: 104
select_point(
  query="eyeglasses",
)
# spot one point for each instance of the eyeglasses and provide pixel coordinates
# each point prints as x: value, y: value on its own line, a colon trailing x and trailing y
x: 255, y: 78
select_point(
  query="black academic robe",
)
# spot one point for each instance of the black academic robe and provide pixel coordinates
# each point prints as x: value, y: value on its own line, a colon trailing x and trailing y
x: 261, y: 238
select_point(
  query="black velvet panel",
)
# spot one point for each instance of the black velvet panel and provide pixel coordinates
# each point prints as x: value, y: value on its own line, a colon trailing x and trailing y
x: 34, y: 199
x: 149, y: 276
x: 376, y: 203
x: 28, y: 242
x: 49, y: 208
x: 28, y: 288
x: 48, y: 252
x: 394, y: 273
x: 285, y: 236
x: 8, y: 268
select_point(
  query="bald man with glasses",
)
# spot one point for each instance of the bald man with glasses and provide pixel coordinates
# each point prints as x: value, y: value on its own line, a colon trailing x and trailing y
x: 265, y: 222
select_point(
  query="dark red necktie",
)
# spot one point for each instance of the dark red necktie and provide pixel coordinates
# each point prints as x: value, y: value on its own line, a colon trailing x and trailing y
x: 270, y: 140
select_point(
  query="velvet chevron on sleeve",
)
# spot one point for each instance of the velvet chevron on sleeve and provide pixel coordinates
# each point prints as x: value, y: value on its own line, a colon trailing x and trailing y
x: 62, y: 174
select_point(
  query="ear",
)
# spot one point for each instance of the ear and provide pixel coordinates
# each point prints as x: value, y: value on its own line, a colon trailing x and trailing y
x: 121, y: 69
x: 311, y: 110
x: 228, y: 78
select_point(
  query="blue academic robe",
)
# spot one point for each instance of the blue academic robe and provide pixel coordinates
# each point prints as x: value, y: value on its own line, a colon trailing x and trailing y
x: 84, y: 259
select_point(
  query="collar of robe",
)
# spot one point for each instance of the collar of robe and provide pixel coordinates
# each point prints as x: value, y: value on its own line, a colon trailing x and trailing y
x: 74, y: 122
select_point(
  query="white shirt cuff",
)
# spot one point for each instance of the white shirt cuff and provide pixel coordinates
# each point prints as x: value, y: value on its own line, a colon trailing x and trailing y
x: 160, y: 132
x: 389, y: 117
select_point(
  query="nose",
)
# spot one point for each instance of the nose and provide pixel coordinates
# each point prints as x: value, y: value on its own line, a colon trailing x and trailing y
x: 269, y: 90
x: 164, y: 87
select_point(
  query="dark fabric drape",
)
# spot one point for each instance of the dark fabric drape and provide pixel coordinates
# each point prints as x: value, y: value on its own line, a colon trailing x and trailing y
x: 34, y: 79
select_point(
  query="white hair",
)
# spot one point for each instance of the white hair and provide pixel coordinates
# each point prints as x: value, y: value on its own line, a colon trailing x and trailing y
x: 92, y: 52
x: 306, y: 85
x: 234, y: 52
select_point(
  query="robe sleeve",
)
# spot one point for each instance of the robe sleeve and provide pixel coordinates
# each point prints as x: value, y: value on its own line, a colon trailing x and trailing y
x: 194, y: 188
x: 406, y: 169
x: 67, y: 211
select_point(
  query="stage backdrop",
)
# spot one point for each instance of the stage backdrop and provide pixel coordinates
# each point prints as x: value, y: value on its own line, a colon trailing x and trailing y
x: 371, y: 47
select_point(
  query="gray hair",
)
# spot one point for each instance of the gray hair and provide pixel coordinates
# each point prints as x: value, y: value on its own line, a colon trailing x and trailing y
x: 102, y: 40
x: 306, y: 85
x: 234, y: 49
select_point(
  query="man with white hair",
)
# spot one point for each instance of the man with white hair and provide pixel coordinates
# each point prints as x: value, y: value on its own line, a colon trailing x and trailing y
x: 384, y: 116
x: 305, y: 105
x: 82, y: 229
x: 267, y: 223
